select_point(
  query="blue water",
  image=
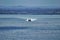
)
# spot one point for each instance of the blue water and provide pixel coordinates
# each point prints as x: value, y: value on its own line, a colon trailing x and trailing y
x: 14, y: 27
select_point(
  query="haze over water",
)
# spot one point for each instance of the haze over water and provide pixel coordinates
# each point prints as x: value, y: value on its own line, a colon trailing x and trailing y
x: 13, y: 25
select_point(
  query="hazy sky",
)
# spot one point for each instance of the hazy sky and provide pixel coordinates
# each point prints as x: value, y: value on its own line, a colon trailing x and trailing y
x: 31, y: 3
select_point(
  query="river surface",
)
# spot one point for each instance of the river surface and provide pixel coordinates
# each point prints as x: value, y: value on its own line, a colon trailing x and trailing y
x: 15, y: 27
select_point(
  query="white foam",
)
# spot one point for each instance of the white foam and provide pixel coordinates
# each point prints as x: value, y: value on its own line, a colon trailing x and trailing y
x: 30, y: 19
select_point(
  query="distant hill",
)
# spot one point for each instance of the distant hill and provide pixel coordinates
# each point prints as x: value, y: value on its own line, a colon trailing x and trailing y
x: 29, y: 10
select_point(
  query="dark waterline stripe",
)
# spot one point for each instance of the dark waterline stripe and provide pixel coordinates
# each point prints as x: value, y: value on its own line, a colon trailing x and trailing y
x: 32, y: 28
x: 11, y: 28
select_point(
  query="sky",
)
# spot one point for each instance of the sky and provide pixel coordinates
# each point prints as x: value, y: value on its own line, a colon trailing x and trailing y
x: 30, y: 3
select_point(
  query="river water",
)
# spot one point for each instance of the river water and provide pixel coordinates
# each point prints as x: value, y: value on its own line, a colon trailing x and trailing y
x: 15, y: 27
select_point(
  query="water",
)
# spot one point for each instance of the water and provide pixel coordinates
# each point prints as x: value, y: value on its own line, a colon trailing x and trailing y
x: 14, y: 27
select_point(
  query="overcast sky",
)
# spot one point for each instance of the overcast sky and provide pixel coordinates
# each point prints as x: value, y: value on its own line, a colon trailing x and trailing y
x: 30, y: 3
